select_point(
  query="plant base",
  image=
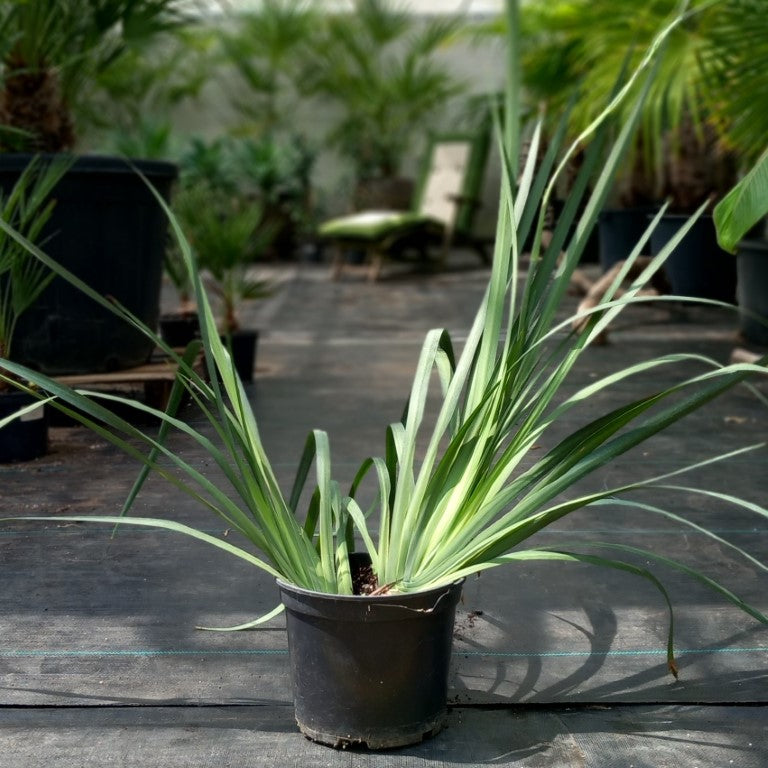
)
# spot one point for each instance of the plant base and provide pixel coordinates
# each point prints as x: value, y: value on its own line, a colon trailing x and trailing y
x: 370, y: 671
x: 381, y: 738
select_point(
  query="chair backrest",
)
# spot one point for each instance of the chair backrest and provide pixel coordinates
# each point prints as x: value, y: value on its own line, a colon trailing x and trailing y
x: 449, y: 185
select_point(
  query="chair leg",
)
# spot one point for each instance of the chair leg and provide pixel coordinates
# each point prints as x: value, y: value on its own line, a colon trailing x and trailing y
x: 481, y: 250
x: 337, y: 266
x: 377, y: 260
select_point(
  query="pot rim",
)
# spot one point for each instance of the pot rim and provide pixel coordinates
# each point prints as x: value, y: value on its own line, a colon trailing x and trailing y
x: 390, y: 597
x: 96, y: 163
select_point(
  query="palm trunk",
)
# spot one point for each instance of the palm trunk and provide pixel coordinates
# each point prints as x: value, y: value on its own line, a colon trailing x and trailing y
x: 32, y: 102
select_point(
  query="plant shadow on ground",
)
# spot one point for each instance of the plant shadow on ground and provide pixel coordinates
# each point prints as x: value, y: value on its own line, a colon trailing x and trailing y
x: 642, y: 736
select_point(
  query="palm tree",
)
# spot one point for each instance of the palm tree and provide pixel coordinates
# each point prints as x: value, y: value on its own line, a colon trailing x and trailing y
x: 579, y: 45
x: 266, y: 47
x: 377, y: 65
x: 51, y: 48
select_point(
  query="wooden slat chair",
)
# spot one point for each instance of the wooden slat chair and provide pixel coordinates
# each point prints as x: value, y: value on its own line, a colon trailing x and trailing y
x: 446, y: 198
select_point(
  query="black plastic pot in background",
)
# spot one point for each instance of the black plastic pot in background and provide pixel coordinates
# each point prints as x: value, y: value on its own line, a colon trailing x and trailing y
x: 619, y: 230
x: 698, y: 267
x: 243, y: 345
x: 370, y: 671
x: 25, y: 438
x: 108, y: 229
x: 591, y: 252
x: 752, y: 290
x: 178, y: 329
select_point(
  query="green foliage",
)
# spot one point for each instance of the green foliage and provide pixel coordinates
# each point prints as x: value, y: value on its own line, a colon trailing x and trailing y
x: 273, y: 171
x: 743, y: 207
x: 463, y: 490
x: 267, y: 47
x: 128, y: 102
x: 149, y: 140
x: 23, y: 278
x: 268, y: 168
x: 54, y: 47
x: 226, y: 234
x: 377, y: 65
x: 734, y: 65
x: 579, y: 46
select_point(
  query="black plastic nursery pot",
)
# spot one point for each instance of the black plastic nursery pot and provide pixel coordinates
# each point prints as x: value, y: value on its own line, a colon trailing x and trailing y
x: 243, y: 344
x: 619, y: 230
x: 109, y: 230
x: 697, y: 267
x: 752, y: 290
x: 25, y: 438
x: 370, y: 671
x: 178, y: 329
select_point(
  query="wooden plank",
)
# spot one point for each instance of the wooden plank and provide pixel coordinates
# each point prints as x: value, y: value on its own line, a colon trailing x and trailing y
x: 156, y: 378
x: 162, y: 371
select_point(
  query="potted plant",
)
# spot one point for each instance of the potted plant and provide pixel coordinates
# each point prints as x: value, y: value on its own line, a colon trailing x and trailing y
x: 181, y: 326
x: 227, y: 234
x: 127, y: 107
x: 734, y: 68
x: 740, y: 213
x: 377, y: 65
x: 109, y: 228
x: 266, y: 47
x: 678, y: 154
x: 458, y: 492
x: 278, y: 174
x: 22, y: 278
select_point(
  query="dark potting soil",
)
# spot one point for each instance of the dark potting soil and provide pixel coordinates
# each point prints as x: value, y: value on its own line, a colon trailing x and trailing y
x: 364, y: 581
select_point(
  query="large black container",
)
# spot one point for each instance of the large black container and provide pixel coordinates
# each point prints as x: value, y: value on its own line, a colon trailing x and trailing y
x: 370, y: 671
x: 24, y: 438
x: 107, y: 229
x: 697, y: 267
x: 752, y: 290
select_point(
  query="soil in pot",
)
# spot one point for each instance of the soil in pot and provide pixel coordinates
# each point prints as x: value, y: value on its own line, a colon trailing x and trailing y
x: 370, y: 671
x: 24, y: 438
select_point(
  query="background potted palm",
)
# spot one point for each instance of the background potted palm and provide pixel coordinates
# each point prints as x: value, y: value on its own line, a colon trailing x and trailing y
x: 735, y: 68
x: 267, y: 47
x: 456, y: 492
x: 27, y: 207
x: 110, y: 230
x: 678, y: 154
x: 377, y: 65
x: 227, y: 234
x: 127, y: 106
x: 742, y: 212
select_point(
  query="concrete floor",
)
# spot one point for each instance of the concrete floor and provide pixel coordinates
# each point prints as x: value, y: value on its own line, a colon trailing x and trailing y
x: 100, y: 663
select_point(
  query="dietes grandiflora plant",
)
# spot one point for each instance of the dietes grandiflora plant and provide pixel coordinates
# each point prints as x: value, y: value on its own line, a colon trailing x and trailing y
x: 477, y: 489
